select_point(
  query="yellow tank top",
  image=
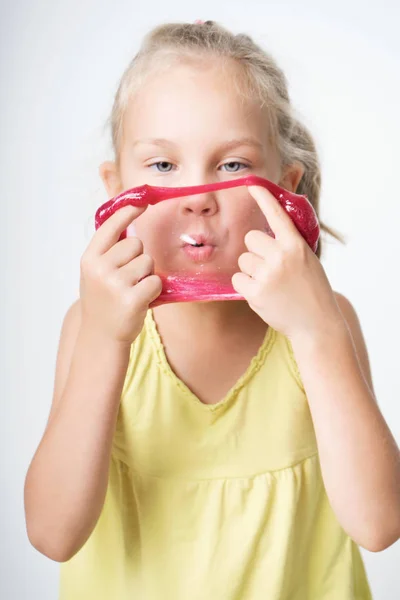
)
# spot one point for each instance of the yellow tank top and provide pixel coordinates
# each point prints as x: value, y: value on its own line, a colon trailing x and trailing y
x: 215, y: 502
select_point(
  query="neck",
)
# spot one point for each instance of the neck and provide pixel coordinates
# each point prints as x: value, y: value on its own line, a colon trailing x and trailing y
x: 211, y: 316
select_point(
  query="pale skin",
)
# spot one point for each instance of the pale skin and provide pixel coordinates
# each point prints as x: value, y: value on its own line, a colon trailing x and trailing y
x: 284, y: 286
x: 288, y: 290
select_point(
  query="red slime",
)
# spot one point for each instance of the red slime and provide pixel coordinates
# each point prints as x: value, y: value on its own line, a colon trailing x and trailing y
x: 178, y: 288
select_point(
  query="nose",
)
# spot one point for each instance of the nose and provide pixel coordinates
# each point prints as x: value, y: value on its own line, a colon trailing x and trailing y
x: 202, y: 205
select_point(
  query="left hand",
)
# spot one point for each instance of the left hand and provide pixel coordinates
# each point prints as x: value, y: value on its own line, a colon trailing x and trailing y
x: 281, y: 278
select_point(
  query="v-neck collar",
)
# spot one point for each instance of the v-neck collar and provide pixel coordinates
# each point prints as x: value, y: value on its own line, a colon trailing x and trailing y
x: 251, y: 370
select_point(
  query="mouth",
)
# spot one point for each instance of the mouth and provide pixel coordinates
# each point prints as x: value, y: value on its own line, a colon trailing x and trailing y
x: 198, y: 247
x: 195, y: 240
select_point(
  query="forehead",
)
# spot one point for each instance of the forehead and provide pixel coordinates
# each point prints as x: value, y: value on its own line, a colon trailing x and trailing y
x: 191, y: 104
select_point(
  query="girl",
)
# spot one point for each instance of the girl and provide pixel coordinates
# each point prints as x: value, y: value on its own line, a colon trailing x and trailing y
x: 222, y: 450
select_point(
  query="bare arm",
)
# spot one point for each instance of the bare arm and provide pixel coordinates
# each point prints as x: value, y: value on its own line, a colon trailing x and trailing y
x: 360, y: 460
x: 286, y: 285
x: 66, y: 482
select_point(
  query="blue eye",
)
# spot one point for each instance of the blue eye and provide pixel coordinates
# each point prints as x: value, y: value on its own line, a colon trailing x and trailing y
x: 234, y: 162
x: 164, y: 164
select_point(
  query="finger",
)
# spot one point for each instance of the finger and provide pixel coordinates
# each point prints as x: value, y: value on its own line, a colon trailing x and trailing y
x: 147, y: 290
x: 137, y: 269
x: 259, y: 243
x: 244, y: 285
x: 251, y: 265
x: 278, y: 219
x: 124, y: 251
x: 110, y: 231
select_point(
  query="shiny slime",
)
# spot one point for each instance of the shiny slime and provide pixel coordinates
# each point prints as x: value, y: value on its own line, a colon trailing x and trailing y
x: 192, y: 288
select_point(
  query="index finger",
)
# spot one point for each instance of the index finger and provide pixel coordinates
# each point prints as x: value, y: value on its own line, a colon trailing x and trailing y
x: 111, y: 230
x: 278, y: 219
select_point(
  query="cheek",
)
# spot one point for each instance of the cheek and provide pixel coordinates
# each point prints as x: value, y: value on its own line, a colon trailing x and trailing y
x: 154, y: 229
x: 246, y: 218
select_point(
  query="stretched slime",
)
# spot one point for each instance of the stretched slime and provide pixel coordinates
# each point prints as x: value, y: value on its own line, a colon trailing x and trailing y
x: 189, y: 288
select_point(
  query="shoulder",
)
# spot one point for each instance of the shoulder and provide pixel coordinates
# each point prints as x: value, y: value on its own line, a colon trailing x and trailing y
x: 70, y: 328
x: 74, y: 313
x: 349, y: 313
x: 66, y: 345
x: 353, y: 323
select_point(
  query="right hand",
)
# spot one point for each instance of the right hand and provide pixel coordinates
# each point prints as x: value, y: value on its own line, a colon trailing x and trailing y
x: 117, y: 283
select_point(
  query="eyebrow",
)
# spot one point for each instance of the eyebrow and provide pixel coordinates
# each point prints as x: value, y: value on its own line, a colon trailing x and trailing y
x: 228, y: 145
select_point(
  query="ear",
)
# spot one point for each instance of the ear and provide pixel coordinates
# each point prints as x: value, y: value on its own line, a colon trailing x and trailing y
x: 291, y: 176
x: 109, y: 174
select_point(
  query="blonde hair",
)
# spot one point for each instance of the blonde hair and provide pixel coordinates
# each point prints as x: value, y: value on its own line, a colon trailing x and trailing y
x: 258, y: 77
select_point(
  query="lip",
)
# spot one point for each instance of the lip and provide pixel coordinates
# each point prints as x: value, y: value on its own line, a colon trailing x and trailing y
x: 199, y: 254
x: 199, y: 238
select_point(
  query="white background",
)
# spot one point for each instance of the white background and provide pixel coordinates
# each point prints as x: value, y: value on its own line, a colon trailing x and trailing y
x: 60, y: 66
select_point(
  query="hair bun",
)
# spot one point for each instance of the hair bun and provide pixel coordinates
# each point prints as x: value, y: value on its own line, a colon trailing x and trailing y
x: 201, y: 22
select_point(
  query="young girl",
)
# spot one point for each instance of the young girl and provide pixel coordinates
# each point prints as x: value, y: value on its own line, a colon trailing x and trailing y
x: 221, y: 450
